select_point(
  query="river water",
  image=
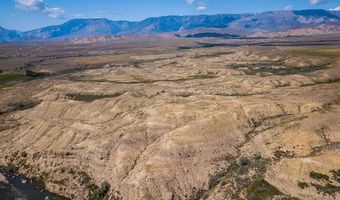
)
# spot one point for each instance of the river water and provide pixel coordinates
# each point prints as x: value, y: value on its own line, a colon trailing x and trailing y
x: 13, y: 187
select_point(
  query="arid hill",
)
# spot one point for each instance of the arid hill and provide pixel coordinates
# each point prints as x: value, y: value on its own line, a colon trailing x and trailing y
x: 330, y: 28
x: 219, y: 122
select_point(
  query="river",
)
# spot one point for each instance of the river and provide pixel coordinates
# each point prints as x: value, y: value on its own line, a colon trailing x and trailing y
x: 18, y: 187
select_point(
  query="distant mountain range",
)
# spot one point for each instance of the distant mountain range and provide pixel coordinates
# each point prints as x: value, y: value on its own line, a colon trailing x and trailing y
x: 225, y: 24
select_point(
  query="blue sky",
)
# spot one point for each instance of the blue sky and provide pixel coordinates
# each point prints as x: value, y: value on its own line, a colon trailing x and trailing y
x: 30, y: 14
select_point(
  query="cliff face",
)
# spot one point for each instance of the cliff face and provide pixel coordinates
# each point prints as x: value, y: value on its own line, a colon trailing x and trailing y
x: 212, y: 123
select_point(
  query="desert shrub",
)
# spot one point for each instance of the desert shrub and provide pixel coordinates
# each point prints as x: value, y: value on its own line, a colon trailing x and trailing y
x: 99, y: 193
x: 185, y: 94
x: 59, y: 182
x: 91, y: 97
x: 261, y: 189
x: 197, y: 194
x: 85, y: 178
x: 258, y: 156
x: 73, y: 172
x: 245, y: 161
x: 10, y: 168
x: 24, y: 105
x: 279, y: 154
x: 303, y: 185
x: 336, y: 175
x: 318, y: 176
x: 242, y: 182
x: 289, y: 198
x: 327, y: 189
x: 39, y: 181
x: 23, y: 154
x: 33, y: 74
x: 215, y: 179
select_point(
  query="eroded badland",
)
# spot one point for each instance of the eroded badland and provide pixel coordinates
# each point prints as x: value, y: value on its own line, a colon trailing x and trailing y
x: 166, y: 120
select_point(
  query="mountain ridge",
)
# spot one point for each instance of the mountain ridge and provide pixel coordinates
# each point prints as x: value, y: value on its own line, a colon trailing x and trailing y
x: 240, y: 24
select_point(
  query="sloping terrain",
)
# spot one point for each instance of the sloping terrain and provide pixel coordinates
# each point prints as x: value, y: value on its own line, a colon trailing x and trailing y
x: 323, y: 29
x: 208, y: 123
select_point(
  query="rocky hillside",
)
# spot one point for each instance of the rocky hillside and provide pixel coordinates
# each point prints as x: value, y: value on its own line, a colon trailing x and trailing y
x: 241, y: 24
x: 8, y: 35
x: 329, y: 28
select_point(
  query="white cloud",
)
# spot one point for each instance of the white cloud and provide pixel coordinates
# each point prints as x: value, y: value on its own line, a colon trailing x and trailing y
x: 335, y: 9
x: 201, y: 8
x: 317, y: 2
x: 30, y: 5
x: 190, y: 2
x: 39, y: 6
x: 55, y: 12
x: 289, y: 7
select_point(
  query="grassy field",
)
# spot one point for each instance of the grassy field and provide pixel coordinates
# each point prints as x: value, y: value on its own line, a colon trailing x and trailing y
x: 316, y: 52
x: 4, y: 57
x: 7, y: 78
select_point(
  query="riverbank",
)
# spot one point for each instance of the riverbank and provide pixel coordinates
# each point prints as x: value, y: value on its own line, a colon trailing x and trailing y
x: 6, y: 191
x: 3, y: 179
x: 14, y: 186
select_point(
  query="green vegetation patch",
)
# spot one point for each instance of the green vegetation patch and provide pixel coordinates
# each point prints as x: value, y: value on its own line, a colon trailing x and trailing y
x: 216, y: 178
x: 279, y: 154
x: 91, y: 97
x: 323, y: 82
x: 214, y: 54
x: 329, y: 189
x: 94, y: 192
x: 261, y: 189
x: 327, y: 186
x: 239, y: 177
x: 6, y: 78
x: 243, y: 166
x: 319, y: 149
x: 303, y: 185
x: 316, y: 52
x: 136, y: 63
x: 59, y: 182
x: 39, y: 181
x: 99, y: 193
x: 336, y: 175
x: 148, y: 81
x: 185, y: 94
x: 198, y: 194
x: 10, y: 168
x: 4, y: 57
x: 319, y: 176
x: 274, y: 68
x: 25, y: 105
x: 239, y: 94
x: 289, y: 198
